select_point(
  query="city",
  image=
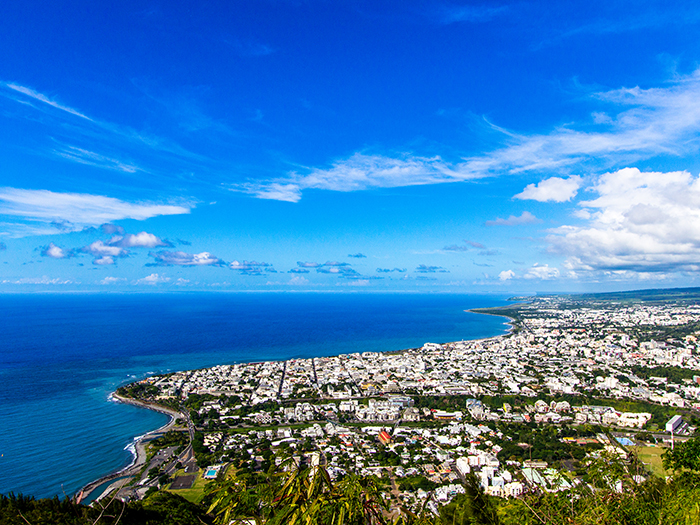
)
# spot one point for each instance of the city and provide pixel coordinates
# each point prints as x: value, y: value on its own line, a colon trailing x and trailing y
x: 572, y: 381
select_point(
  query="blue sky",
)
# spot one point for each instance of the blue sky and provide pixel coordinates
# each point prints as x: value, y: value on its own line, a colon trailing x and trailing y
x: 507, y: 147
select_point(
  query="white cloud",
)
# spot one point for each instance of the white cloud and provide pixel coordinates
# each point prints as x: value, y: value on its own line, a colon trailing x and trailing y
x: 600, y: 117
x: 251, y: 267
x: 648, y: 122
x: 297, y: 280
x: 42, y: 280
x: 359, y: 172
x: 100, y: 249
x: 139, y: 240
x: 506, y: 275
x: 104, y: 253
x: 542, y: 272
x: 112, y: 229
x: 55, y: 252
x: 153, y: 279
x: 79, y: 209
x: 554, y: 189
x: 90, y: 158
x: 422, y: 268
x: 525, y: 218
x: 640, y: 221
x: 357, y: 282
x: 167, y: 258
x: 107, y: 132
x: 112, y: 280
x: 302, y: 264
x: 104, y: 260
x: 43, y: 98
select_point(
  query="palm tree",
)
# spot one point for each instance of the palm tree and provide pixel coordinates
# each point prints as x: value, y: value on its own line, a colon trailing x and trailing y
x: 299, y: 496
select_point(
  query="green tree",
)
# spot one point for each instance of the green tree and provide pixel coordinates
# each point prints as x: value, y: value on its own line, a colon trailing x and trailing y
x: 683, y: 456
x: 299, y: 496
x: 473, y: 507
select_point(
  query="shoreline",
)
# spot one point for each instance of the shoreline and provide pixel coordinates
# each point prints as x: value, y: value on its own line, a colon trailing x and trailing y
x: 138, y: 451
x: 511, y: 323
x: 139, y: 443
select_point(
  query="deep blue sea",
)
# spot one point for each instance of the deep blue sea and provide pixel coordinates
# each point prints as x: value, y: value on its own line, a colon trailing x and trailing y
x: 61, y: 355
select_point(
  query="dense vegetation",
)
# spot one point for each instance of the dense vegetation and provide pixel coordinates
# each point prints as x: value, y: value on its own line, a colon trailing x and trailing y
x: 138, y: 390
x: 674, y: 374
x: 159, y: 508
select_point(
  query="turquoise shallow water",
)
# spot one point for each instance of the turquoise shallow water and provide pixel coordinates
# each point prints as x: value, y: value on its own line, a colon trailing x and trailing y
x: 62, y: 355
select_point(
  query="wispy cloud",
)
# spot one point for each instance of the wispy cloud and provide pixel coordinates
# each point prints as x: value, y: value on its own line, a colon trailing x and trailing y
x: 456, y: 248
x: 357, y: 255
x: 359, y: 172
x: 252, y: 267
x: 390, y: 270
x: 100, y: 249
x: 112, y: 229
x: 90, y: 158
x: 78, y: 209
x: 340, y: 271
x: 644, y: 123
x: 43, y: 280
x: 469, y: 246
x: 99, y: 135
x: 454, y: 13
x: 167, y: 258
x: 153, y: 279
x: 525, y: 218
x: 183, y: 106
x: 112, y: 280
x: 301, y: 264
x: 338, y: 268
x: 422, y: 268
x: 648, y: 16
x: 44, y: 99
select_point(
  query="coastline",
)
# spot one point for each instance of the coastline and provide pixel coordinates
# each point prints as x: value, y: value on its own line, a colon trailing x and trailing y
x: 139, y: 443
x: 511, y: 323
x: 139, y: 448
x: 265, y: 327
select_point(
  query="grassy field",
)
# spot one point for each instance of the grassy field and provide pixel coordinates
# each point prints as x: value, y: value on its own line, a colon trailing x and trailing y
x: 651, y: 457
x: 196, y: 493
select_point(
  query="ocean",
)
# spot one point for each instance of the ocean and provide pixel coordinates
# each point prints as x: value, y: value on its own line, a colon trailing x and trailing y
x: 61, y: 355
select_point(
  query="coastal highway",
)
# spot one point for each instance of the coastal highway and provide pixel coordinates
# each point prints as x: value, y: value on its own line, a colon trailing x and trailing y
x: 135, y: 468
x: 187, y: 456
